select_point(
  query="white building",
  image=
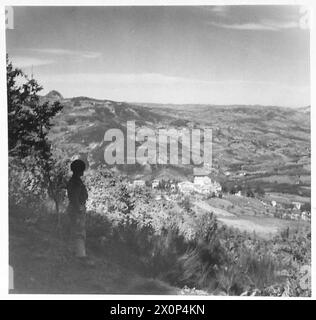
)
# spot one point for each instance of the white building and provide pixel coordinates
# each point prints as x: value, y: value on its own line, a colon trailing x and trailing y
x: 186, y: 187
x: 297, y: 205
x: 304, y: 216
x: 205, y: 185
x: 155, y: 184
x: 238, y: 194
x: 139, y: 183
x: 201, y: 184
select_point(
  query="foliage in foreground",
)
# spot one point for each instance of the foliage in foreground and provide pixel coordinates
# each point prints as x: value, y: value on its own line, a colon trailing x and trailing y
x: 182, y: 246
x: 189, y: 248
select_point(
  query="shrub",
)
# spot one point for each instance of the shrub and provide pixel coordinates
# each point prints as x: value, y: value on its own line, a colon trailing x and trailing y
x: 26, y: 195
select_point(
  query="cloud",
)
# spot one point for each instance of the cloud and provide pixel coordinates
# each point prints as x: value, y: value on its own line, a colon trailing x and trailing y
x: 50, y: 56
x: 136, y: 78
x: 254, y: 18
x: 67, y: 52
x: 268, y: 25
x: 24, y: 61
x: 91, y: 54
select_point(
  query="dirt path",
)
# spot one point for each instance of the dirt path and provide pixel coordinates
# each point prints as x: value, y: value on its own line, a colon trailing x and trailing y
x: 42, y: 264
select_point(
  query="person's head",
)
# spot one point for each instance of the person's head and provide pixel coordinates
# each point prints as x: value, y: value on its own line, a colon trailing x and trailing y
x: 78, y: 167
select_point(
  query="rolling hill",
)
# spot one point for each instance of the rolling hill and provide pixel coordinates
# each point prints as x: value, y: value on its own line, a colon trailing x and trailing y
x: 251, y: 144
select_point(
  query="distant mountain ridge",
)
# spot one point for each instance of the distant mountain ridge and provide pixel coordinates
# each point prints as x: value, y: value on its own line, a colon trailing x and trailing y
x: 251, y: 138
x: 54, y: 94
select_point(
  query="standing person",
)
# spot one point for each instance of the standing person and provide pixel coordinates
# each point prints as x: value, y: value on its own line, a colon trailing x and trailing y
x: 77, y: 195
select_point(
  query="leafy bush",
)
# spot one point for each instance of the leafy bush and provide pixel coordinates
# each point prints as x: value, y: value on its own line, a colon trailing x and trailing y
x: 26, y: 194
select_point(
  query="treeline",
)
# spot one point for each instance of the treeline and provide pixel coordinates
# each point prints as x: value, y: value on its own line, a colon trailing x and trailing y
x: 244, y: 189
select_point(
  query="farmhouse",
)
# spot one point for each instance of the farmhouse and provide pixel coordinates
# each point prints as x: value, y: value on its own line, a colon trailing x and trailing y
x: 201, y: 184
x: 155, y: 184
x: 139, y: 183
x: 205, y: 185
x: 297, y: 205
x: 186, y: 187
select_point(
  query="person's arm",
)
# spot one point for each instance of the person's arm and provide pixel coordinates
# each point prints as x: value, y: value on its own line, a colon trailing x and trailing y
x: 84, y: 193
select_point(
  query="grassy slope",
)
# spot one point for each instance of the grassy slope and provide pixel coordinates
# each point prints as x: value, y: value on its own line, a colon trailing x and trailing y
x: 42, y: 264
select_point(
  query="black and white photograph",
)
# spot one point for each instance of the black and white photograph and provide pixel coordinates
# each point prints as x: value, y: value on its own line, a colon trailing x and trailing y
x: 159, y: 150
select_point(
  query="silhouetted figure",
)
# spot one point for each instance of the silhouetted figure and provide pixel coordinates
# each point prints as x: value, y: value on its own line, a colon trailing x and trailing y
x: 77, y: 195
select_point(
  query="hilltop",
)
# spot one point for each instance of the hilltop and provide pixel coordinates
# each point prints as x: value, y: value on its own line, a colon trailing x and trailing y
x: 53, y: 95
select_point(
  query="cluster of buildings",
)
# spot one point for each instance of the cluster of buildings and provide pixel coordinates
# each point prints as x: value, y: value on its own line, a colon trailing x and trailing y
x: 297, y: 215
x: 202, y: 185
x: 294, y: 213
x: 139, y: 183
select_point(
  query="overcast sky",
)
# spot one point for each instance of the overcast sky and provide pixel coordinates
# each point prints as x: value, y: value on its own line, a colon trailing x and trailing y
x: 214, y: 54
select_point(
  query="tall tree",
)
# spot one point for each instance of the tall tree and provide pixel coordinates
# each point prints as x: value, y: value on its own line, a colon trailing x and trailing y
x: 29, y: 122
